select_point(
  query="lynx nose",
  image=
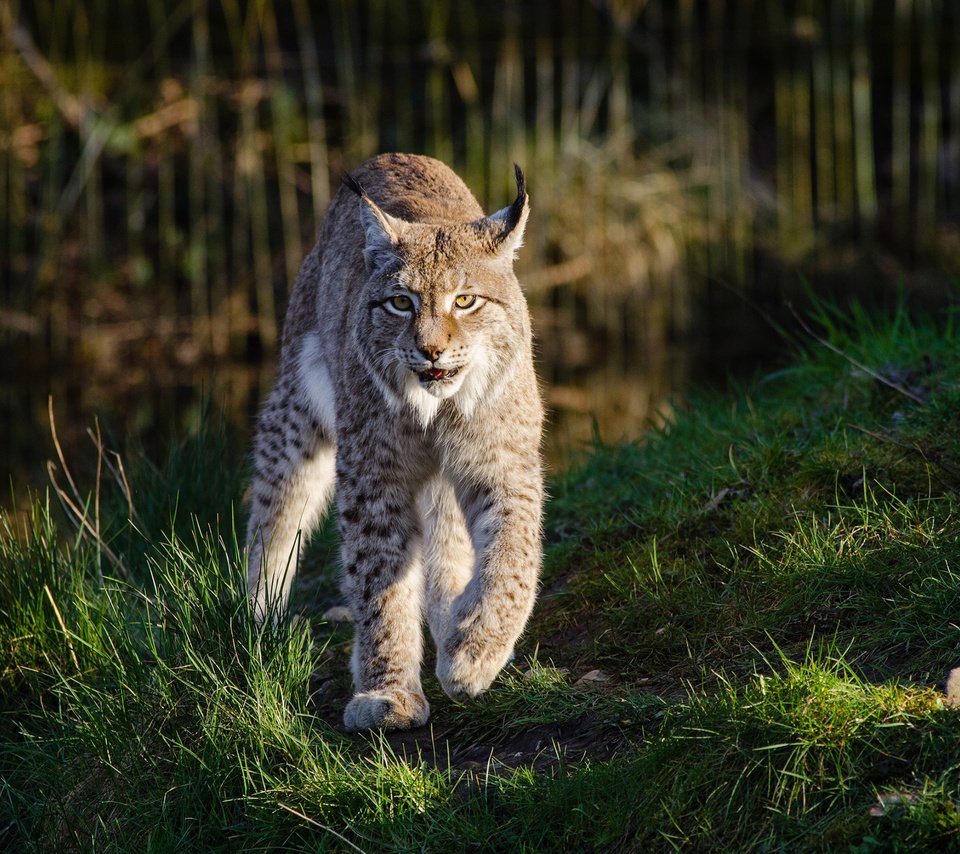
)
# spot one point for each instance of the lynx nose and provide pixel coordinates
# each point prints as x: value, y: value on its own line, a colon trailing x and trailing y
x: 431, y: 351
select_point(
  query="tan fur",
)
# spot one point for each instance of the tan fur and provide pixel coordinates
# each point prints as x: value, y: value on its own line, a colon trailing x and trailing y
x: 438, y: 477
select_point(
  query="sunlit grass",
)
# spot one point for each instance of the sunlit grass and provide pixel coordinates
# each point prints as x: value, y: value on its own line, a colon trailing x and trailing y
x: 744, y: 631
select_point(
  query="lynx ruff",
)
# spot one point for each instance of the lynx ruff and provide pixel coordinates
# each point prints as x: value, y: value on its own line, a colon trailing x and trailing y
x: 406, y: 378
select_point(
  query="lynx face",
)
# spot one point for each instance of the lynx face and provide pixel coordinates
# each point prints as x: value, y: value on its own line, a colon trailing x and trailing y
x: 437, y: 324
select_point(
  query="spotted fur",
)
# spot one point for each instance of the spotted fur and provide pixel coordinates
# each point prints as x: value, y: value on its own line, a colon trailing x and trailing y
x: 406, y: 378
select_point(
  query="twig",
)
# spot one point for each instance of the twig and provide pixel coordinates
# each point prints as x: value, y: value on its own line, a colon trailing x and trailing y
x: 880, y: 437
x: 96, y: 498
x: 834, y: 348
x: 128, y: 493
x: 59, y: 450
x: 96, y: 132
x: 81, y: 519
x: 63, y: 626
x: 71, y: 107
x: 115, y: 467
x: 72, y: 505
x: 339, y: 836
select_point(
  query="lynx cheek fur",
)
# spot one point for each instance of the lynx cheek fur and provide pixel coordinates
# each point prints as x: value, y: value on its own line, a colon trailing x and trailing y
x: 406, y: 378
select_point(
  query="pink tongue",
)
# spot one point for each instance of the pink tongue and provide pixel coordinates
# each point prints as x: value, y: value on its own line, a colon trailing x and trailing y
x: 434, y: 373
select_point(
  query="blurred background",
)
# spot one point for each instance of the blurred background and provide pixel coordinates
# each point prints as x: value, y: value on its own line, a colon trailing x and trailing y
x: 696, y: 167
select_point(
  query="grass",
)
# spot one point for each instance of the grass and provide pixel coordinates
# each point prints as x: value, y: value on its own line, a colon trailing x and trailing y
x: 745, y: 626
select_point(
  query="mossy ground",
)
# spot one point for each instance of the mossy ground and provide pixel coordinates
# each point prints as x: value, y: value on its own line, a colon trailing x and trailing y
x: 744, y: 631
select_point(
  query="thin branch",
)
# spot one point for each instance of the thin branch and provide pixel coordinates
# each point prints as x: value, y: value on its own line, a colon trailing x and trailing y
x: 59, y: 450
x: 96, y: 498
x: 880, y: 378
x: 72, y: 505
x: 69, y: 105
x: 312, y: 821
x: 128, y: 493
x: 116, y: 469
x: 63, y: 626
x: 80, y: 518
x: 881, y: 437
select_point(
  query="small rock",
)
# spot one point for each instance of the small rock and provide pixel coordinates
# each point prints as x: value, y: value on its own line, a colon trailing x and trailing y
x: 593, y: 677
x: 887, y: 802
x: 715, y: 500
x: 338, y: 614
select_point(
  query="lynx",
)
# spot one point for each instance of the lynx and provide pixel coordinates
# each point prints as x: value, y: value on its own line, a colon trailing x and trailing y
x: 406, y: 378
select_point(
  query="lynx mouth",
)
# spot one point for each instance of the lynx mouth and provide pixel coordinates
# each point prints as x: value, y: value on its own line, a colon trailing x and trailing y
x: 436, y: 375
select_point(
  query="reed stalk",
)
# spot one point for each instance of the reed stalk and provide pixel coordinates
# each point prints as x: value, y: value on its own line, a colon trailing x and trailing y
x: 862, y: 120
x: 313, y: 103
x: 843, y: 154
x: 197, y: 168
x: 824, y: 133
x: 927, y: 14
x: 900, y: 156
x: 639, y: 124
x: 282, y: 111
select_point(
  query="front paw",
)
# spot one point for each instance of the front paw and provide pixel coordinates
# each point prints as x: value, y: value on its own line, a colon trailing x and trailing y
x: 466, y: 668
x: 386, y: 709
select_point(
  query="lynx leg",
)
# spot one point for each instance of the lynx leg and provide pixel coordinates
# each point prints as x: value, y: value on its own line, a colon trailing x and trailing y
x: 383, y: 584
x: 488, y: 617
x: 448, y: 555
x: 292, y: 487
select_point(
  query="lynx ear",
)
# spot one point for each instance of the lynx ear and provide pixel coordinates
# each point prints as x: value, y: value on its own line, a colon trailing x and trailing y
x: 382, y: 231
x: 503, y: 231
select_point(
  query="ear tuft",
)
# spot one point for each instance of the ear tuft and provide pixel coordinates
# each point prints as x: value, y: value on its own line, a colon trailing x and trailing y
x: 353, y: 184
x: 504, y: 229
x: 381, y: 231
x: 516, y: 212
x: 521, y: 200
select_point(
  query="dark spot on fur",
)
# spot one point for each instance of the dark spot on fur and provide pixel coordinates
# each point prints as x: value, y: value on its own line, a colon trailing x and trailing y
x: 377, y: 664
x: 394, y: 675
x: 262, y: 498
x: 380, y: 530
x: 442, y: 242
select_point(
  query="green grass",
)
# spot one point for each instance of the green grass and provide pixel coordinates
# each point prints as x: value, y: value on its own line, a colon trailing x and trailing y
x: 769, y: 586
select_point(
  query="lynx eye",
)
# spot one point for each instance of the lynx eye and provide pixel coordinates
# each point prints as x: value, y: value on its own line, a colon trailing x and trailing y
x: 401, y: 302
x: 465, y: 300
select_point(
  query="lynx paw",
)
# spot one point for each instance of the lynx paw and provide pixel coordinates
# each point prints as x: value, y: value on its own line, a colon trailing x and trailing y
x: 387, y: 709
x: 466, y: 669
